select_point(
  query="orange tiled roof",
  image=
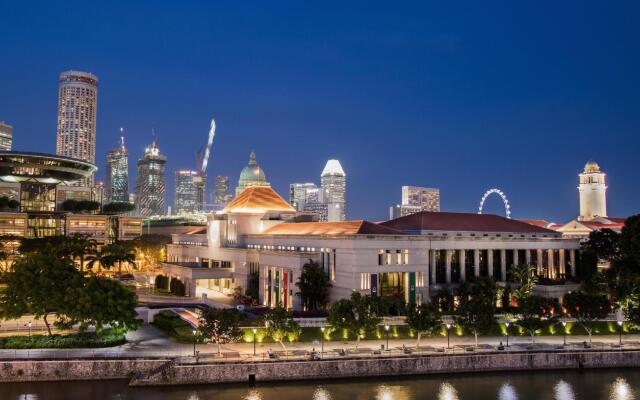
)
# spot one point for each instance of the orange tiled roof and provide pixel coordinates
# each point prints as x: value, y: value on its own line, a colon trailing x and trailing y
x: 358, y: 227
x: 258, y: 199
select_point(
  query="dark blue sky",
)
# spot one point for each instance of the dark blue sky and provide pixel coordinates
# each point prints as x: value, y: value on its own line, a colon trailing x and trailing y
x: 463, y: 96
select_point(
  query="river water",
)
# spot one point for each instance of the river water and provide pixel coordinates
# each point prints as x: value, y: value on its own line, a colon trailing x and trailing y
x: 556, y: 385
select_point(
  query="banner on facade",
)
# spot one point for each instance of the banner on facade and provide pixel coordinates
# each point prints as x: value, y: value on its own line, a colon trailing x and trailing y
x: 412, y: 288
x: 374, y: 285
x: 269, y: 287
x: 285, y: 288
x: 277, y: 288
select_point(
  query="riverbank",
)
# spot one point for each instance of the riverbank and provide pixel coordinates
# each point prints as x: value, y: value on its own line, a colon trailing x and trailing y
x: 161, y: 372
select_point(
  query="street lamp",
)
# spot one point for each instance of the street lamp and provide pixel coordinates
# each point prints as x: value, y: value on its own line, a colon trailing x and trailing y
x: 620, y: 325
x: 386, y: 328
x: 564, y: 333
x: 506, y: 324
x: 448, y: 325
x: 254, y: 340
x: 194, y: 342
x: 29, y: 325
x: 322, y: 341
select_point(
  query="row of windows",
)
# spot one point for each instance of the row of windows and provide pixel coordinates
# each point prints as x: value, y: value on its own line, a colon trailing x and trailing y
x: 386, y: 257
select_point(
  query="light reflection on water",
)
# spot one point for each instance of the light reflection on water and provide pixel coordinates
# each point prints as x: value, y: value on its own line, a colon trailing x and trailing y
x: 563, y: 391
x: 447, y: 392
x: 621, y: 390
x: 321, y: 394
x: 392, y: 392
x: 507, y: 392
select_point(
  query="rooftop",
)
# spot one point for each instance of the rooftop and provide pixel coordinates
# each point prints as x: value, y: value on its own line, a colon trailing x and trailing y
x: 358, y: 227
x: 258, y: 199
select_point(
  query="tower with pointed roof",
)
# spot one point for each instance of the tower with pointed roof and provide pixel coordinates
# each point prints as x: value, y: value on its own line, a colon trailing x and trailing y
x: 150, y: 184
x: 117, y: 173
x: 593, y: 192
x: 251, y: 175
x: 334, y: 184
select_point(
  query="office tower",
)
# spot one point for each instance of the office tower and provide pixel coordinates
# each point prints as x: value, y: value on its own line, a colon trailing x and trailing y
x: 251, y: 175
x: 298, y: 193
x: 77, y: 102
x: 221, y: 193
x: 117, y: 174
x: 6, y: 136
x: 414, y: 200
x: 150, y: 183
x: 333, y: 183
x: 593, y: 192
x: 186, y: 192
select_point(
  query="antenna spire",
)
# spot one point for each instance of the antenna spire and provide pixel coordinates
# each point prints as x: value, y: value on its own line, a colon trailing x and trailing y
x: 122, y: 137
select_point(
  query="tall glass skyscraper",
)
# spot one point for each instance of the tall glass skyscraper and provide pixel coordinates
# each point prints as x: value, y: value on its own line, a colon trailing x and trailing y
x: 221, y: 194
x: 334, y: 183
x: 186, y: 199
x: 150, y: 184
x: 6, y: 136
x: 77, y: 106
x: 117, y: 174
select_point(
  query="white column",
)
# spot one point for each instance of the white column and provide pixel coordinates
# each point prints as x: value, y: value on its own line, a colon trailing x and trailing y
x: 572, y: 257
x: 540, y: 261
x: 448, y: 265
x: 552, y: 269
x: 427, y: 281
x: 490, y: 261
x: 528, y: 256
x: 516, y: 261
x: 463, y: 270
x: 503, y: 265
x: 476, y: 262
x: 433, y: 265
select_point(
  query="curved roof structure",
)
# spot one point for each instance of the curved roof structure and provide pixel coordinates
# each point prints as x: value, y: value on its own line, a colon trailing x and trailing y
x: 258, y: 199
x: 252, y: 174
x: 18, y: 166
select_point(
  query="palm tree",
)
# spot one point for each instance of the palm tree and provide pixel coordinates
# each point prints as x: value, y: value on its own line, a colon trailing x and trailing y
x: 119, y: 253
x: 81, y: 247
x: 96, y: 258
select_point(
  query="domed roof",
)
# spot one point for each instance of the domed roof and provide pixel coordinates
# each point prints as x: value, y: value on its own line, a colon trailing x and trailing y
x: 591, y: 166
x: 252, y: 173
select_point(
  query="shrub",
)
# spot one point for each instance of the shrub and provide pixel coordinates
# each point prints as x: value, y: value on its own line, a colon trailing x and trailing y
x: 162, y: 282
x: 118, y: 208
x: 177, y: 288
x: 82, y: 340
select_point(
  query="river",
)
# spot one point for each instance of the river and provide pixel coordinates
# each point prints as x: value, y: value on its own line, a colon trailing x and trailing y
x: 553, y: 385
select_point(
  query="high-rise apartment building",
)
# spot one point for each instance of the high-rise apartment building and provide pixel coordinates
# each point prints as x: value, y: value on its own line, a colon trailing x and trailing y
x: 6, y: 136
x: 117, y: 174
x: 416, y: 199
x: 298, y: 193
x: 186, y: 192
x: 333, y: 182
x: 150, y: 184
x: 77, y: 106
x: 221, y: 194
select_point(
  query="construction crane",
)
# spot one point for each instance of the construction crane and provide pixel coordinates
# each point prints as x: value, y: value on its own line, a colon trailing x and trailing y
x: 201, y: 164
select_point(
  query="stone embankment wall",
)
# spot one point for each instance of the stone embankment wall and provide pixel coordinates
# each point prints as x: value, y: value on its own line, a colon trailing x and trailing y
x: 348, y: 368
x: 67, y: 370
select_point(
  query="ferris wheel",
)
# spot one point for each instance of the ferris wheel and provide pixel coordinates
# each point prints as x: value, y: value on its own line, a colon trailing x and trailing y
x: 507, y: 207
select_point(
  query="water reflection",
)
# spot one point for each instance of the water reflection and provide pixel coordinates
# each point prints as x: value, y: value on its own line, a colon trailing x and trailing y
x: 387, y: 392
x: 507, y: 392
x: 321, y: 394
x: 253, y: 395
x: 447, y: 392
x: 563, y: 391
x: 620, y: 390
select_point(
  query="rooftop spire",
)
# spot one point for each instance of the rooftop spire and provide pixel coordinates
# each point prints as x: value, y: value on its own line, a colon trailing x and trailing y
x: 252, y: 158
x: 122, y: 137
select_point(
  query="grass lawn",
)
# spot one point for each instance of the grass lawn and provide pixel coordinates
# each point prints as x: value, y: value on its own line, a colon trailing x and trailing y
x: 67, y: 341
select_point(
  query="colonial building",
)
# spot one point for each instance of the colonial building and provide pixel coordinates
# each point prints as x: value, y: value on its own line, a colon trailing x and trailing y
x: 409, y: 257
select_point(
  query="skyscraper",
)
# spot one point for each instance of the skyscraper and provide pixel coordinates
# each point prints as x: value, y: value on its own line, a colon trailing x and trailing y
x: 150, y: 184
x: 6, y: 136
x: 416, y: 199
x: 221, y: 194
x: 186, y: 192
x: 298, y: 193
x: 77, y: 103
x: 117, y: 173
x: 333, y: 182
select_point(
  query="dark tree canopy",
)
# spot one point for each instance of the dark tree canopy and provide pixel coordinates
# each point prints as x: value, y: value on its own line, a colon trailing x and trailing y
x: 536, y: 313
x: 358, y: 315
x: 220, y: 325
x: 604, y: 243
x: 423, y: 319
x: 477, y: 308
x: 79, y: 206
x: 587, y: 308
x: 118, y: 208
x: 630, y: 242
x: 314, y: 286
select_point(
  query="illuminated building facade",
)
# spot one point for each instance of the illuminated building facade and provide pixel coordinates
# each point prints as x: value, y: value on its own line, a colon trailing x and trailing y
x: 251, y: 175
x: 334, y: 184
x: 593, y: 192
x: 416, y: 199
x: 6, y: 136
x: 186, y: 197
x: 150, y: 183
x: 117, y: 174
x: 77, y: 107
x: 221, y: 193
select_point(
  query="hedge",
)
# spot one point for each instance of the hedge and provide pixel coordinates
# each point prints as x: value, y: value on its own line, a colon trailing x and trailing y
x: 82, y: 340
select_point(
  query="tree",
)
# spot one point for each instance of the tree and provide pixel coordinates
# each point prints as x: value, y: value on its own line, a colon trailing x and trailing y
x: 525, y: 280
x: 444, y: 298
x: 630, y: 242
x: 253, y: 286
x: 314, y: 286
x: 82, y: 246
x: 151, y: 247
x: 39, y: 285
x: 101, y: 301
x: 358, y: 315
x: 476, y: 310
x: 54, y: 246
x: 220, y: 325
x: 424, y: 318
x: 535, y: 313
x: 7, y: 204
x: 604, y: 243
x: 117, y: 253
x: 118, y: 208
x: 79, y: 206
x: 587, y: 309
x: 279, y: 324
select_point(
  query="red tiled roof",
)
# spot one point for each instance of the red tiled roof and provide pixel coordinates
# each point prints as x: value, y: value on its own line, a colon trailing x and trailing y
x: 542, y: 223
x: 258, y: 199
x: 462, y: 222
x: 358, y: 227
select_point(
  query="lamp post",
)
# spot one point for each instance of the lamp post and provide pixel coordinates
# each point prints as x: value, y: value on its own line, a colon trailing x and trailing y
x: 620, y: 325
x: 322, y: 341
x: 29, y: 325
x: 564, y: 333
x: 194, y: 342
x: 448, y: 325
x: 506, y: 324
x: 254, y: 340
x: 386, y: 328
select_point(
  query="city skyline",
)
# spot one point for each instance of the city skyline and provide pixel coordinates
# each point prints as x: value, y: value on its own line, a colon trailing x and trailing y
x: 492, y: 126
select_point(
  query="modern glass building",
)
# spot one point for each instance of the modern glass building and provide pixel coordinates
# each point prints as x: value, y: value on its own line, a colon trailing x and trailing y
x: 117, y: 174
x: 334, y: 183
x: 186, y: 199
x: 150, y: 184
x: 221, y: 193
x: 6, y: 136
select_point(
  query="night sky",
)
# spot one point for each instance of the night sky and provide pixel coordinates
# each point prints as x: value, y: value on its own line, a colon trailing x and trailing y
x: 464, y: 96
